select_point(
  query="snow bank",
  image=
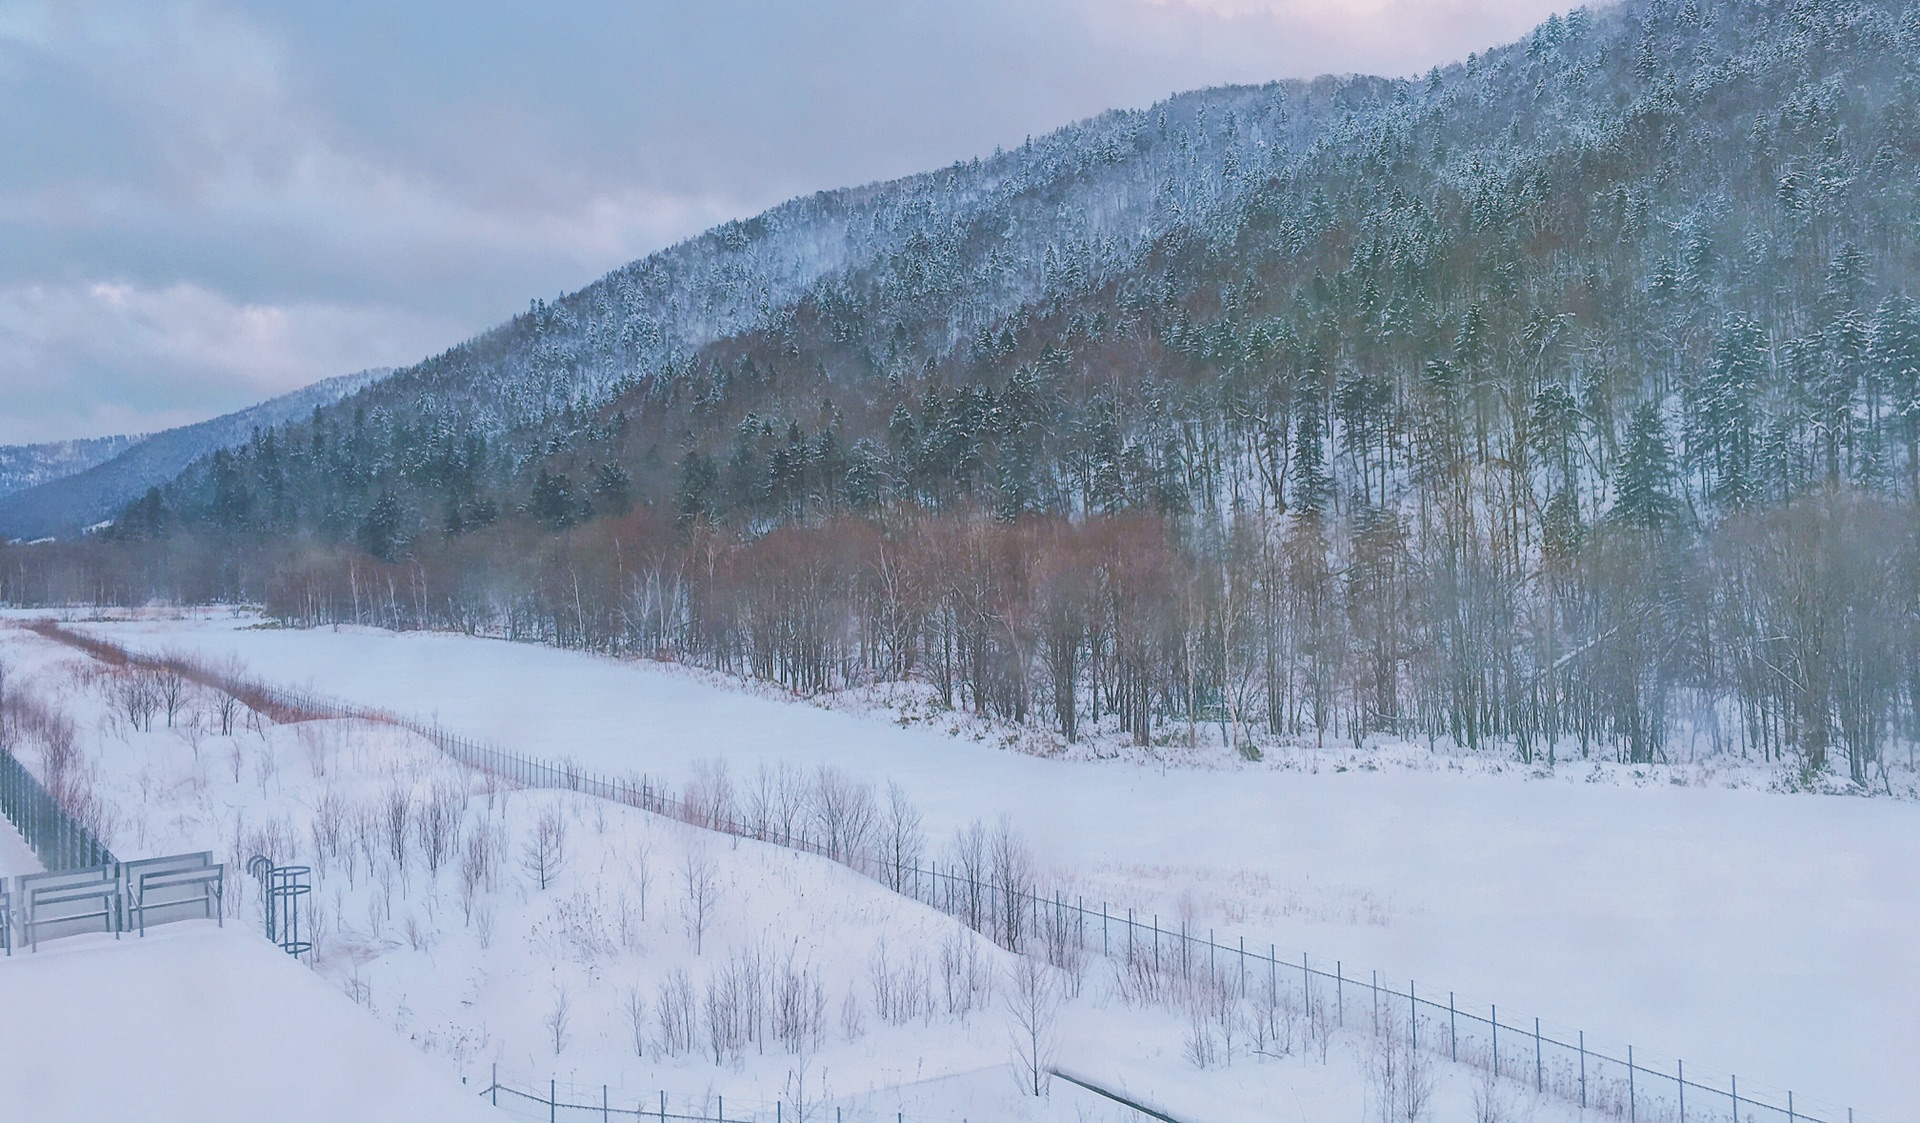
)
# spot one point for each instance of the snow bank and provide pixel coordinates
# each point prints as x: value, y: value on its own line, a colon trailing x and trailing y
x: 195, y: 1023
x: 16, y: 857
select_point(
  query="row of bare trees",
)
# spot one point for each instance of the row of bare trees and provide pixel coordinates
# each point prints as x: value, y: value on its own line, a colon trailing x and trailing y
x: 1788, y: 634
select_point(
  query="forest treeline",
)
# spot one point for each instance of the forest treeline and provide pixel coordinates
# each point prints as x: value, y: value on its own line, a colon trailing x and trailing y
x: 1557, y: 400
x: 1784, y: 635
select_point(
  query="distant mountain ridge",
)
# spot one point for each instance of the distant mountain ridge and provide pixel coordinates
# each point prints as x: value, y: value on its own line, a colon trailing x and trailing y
x: 24, y: 466
x: 1699, y: 205
x: 69, y: 502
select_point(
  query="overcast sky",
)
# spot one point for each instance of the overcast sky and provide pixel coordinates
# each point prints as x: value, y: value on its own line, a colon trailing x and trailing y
x: 204, y: 204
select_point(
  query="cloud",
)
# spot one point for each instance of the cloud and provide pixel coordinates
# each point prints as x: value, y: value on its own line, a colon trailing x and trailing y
x: 114, y: 358
x: 1257, y: 40
x: 431, y: 166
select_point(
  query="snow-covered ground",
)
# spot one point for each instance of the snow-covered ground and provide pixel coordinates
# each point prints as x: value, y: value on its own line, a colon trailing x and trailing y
x: 1764, y: 934
x: 195, y: 1023
x: 15, y: 856
x: 493, y: 960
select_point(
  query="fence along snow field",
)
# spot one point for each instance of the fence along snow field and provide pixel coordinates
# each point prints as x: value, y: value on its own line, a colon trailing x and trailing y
x: 559, y: 1102
x: 60, y: 841
x: 85, y: 888
x: 1145, y: 955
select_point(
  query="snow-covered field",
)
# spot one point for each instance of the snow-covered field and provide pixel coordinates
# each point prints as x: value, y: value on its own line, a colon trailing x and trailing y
x: 642, y: 956
x: 1764, y: 934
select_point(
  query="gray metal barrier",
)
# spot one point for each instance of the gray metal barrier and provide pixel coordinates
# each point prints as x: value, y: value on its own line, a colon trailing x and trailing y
x: 113, y: 897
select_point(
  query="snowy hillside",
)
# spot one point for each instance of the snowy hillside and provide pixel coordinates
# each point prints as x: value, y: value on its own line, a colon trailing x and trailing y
x: 23, y: 466
x: 71, y: 501
x: 960, y: 249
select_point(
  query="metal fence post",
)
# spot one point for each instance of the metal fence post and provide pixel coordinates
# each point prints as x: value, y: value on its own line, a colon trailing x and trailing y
x: 1539, y: 1072
x: 1453, y: 1031
x: 1583, y: 1079
x: 1633, y: 1103
x: 1496, y: 1040
x: 1680, y: 1078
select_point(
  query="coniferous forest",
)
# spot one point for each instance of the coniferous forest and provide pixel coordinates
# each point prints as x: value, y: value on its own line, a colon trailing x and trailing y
x: 1562, y: 402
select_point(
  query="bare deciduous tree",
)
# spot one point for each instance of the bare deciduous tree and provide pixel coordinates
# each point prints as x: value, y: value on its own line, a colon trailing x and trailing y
x: 397, y: 812
x: 170, y: 687
x: 902, y: 841
x: 543, y: 855
x: 702, y: 885
x: 1012, y: 876
x: 968, y: 866
x: 675, y: 1012
x: 634, y: 1006
x: 558, y: 1016
x: 843, y: 812
x: 1033, y: 1012
x: 1400, y: 1079
x: 437, y: 822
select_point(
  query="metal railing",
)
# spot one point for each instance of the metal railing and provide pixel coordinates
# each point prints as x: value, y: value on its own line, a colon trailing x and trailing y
x: 111, y: 898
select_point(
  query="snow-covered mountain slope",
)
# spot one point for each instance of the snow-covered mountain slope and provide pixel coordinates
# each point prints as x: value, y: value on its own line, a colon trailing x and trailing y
x: 72, y: 501
x: 950, y: 251
x: 24, y: 466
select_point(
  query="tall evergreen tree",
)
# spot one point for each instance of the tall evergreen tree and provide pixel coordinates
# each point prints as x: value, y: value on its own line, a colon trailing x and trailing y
x: 1643, y: 495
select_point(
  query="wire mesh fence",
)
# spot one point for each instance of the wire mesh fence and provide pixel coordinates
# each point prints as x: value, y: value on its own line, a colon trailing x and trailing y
x: 559, y: 1102
x: 59, y: 840
x: 1610, y: 1080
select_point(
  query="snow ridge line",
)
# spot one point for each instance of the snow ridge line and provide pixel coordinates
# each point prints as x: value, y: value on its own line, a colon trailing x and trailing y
x: 1012, y: 916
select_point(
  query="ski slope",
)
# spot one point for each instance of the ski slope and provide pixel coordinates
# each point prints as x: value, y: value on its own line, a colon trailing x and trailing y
x: 1766, y: 935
